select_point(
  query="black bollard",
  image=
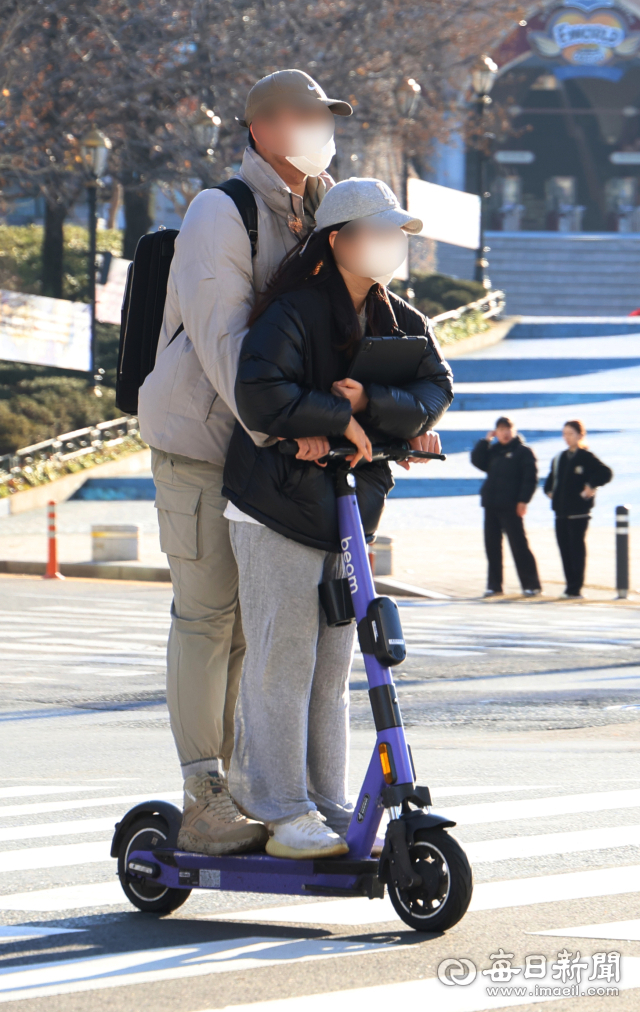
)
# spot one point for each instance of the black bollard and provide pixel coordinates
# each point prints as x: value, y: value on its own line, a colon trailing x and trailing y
x: 622, y: 551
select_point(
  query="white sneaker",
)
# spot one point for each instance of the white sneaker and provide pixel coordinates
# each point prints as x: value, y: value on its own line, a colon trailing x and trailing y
x: 305, y: 837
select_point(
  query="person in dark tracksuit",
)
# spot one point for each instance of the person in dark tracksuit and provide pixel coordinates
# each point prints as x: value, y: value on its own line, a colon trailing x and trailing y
x: 571, y: 485
x: 512, y: 476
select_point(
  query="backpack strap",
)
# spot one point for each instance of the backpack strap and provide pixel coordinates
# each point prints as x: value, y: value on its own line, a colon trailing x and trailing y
x: 242, y: 196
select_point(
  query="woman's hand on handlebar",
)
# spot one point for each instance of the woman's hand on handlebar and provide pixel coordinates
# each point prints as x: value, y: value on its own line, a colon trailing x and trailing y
x: 352, y: 391
x: 430, y: 442
x: 312, y: 448
x: 356, y: 435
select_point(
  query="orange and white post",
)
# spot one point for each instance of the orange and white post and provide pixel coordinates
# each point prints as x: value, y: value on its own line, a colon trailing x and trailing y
x: 51, y: 572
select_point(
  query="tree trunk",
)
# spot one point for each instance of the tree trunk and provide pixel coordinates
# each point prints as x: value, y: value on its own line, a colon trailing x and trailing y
x: 52, y: 271
x: 138, y: 220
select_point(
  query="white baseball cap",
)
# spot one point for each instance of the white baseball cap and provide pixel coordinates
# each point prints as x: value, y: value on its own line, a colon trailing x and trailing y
x: 364, y: 198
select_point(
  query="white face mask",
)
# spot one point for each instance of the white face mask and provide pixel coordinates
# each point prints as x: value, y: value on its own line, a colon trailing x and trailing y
x: 314, y: 160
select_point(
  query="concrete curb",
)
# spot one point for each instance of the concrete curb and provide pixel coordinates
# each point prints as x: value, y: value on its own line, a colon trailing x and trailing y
x: 91, y: 570
x: 160, y: 574
x: 63, y: 488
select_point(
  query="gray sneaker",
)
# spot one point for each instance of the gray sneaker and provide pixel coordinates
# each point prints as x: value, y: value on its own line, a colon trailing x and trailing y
x: 212, y: 822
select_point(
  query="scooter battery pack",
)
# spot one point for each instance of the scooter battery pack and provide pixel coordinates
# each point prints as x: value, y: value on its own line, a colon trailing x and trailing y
x: 335, y: 598
x: 380, y: 632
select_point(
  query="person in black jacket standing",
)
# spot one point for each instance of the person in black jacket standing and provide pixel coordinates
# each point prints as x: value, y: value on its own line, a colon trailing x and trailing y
x: 571, y: 485
x: 512, y: 476
x: 289, y: 766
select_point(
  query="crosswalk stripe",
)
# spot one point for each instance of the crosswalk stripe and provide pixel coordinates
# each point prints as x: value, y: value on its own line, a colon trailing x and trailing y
x: 552, y: 843
x: 456, y: 790
x: 484, y: 851
x: 421, y: 994
x: 32, y: 858
x: 60, y: 806
x: 75, y: 827
x: 486, y: 896
x: 153, y: 965
x: 20, y: 932
x: 78, y: 897
x: 623, y: 931
x: 503, y: 811
x: 32, y: 791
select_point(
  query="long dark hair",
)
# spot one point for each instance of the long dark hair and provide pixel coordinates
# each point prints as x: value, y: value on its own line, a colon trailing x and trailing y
x: 311, y: 265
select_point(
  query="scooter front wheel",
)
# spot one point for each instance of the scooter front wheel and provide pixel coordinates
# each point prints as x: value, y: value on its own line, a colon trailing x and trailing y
x: 447, y: 883
x: 147, y: 833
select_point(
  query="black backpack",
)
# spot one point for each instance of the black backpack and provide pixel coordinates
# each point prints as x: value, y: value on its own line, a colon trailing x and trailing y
x: 145, y: 294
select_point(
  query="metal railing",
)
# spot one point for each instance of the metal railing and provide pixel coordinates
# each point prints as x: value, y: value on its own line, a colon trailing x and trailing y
x: 491, y: 305
x: 70, y: 445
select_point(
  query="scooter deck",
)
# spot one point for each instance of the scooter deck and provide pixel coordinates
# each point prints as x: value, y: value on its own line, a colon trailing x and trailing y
x: 258, y: 873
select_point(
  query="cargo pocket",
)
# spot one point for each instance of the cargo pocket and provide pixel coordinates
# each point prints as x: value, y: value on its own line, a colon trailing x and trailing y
x: 177, y: 507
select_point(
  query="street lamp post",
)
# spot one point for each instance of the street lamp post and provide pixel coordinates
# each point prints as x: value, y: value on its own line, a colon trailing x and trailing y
x: 95, y: 149
x: 206, y: 128
x: 407, y: 99
x: 482, y: 78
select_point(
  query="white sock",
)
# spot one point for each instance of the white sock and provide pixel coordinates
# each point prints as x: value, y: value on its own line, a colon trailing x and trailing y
x: 202, y: 766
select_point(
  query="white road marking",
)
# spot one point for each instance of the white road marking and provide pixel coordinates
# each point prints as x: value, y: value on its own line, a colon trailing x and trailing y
x: 458, y: 790
x: 551, y: 843
x: 44, y: 830
x: 20, y: 932
x: 506, y: 811
x: 31, y: 858
x: 486, y: 896
x: 623, y: 931
x: 33, y: 791
x: 423, y: 994
x: 79, y: 897
x: 61, y: 806
x: 98, y: 973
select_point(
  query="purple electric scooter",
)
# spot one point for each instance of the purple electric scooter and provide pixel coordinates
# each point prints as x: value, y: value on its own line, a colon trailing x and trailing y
x: 424, y: 869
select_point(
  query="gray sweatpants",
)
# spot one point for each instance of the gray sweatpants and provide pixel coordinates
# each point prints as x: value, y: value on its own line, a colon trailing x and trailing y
x: 292, y: 719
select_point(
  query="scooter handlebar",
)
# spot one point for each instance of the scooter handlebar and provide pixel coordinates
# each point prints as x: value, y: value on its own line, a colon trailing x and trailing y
x: 398, y: 449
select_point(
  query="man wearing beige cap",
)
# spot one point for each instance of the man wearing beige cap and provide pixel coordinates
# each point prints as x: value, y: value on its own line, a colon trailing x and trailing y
x: 187, y: 412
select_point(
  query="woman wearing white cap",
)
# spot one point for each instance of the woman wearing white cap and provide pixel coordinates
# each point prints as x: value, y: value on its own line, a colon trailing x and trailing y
x: 289, y: 768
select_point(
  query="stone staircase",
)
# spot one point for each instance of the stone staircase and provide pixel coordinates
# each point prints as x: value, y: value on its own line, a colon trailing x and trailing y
x: 558, y: 273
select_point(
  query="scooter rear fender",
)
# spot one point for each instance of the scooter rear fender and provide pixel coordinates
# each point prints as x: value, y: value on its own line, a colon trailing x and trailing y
x: 167, y: 811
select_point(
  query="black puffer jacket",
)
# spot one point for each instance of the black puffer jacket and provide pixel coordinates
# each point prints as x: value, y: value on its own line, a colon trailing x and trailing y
x: 567, y: 478
x: 512, y: 472
x: 288, y: 363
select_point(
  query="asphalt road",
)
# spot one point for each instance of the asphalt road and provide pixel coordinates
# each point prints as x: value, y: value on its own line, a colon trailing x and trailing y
x: 523, y: 718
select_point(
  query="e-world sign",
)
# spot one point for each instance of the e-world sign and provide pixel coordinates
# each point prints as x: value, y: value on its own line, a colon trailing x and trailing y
x: 585, y: 34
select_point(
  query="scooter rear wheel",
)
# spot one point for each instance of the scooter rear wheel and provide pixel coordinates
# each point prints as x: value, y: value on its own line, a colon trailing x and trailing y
x: 147, y: 833
x: 447, y: 883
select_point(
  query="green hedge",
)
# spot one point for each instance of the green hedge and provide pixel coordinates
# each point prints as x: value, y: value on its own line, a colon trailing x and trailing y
x: 438, y: 293
x: 21, y: 260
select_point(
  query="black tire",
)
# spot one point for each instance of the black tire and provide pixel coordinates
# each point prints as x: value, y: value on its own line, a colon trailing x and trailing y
x: 147, y: 833
x: 445, y: 894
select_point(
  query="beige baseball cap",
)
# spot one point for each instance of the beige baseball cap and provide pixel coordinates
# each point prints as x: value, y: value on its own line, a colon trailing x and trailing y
x: 289, y: 87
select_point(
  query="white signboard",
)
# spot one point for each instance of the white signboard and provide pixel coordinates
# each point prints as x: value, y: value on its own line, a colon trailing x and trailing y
x: 44, y: 331
x: 448, y: 215
x: 109, y: 297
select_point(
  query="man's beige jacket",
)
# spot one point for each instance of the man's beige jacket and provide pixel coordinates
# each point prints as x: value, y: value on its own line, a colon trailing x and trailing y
x: 187, y: 403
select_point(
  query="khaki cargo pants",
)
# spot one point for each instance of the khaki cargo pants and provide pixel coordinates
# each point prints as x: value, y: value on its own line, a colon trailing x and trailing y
x: 206, y: 645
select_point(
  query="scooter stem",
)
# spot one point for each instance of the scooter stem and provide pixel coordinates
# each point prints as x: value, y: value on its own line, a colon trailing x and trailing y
x: 366, y: 819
